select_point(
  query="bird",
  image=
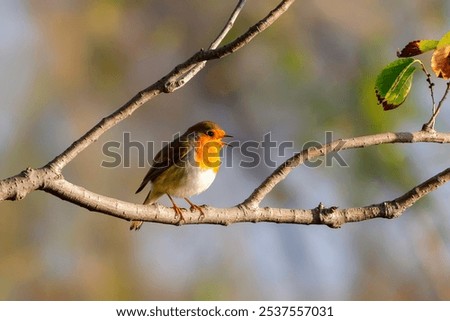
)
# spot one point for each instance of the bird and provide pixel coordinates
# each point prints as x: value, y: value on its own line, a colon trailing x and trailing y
x: 185, y: 167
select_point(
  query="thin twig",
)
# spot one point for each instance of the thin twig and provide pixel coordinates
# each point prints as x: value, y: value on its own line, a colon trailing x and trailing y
x: 430, y: 125
x: 430, y: 85
x: 182, y: 80
x: 229, y: 25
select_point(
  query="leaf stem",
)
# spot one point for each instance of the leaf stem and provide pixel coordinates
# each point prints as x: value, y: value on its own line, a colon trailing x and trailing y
x: 430, y: 85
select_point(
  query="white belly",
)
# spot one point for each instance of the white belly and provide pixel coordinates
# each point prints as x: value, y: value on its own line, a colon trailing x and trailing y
x: 196, y: 181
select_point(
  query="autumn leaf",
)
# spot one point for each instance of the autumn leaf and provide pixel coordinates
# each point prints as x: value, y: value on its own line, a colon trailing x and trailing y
x: 440, y: 62
x: 417, y: 47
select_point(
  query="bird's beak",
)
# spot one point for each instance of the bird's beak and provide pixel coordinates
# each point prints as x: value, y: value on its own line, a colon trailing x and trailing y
x: 226, y: 136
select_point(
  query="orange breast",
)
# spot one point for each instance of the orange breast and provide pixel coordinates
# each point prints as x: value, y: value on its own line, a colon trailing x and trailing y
x: 207, y: 153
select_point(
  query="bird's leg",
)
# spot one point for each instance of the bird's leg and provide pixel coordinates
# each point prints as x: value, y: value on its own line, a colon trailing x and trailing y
x: 195, y: 207
x: 177, y: 210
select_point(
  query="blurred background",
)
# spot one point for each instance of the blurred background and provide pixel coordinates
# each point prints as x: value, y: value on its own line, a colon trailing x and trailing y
x: 66, y: 64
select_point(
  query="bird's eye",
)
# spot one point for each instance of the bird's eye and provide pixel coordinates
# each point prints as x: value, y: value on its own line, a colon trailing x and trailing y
x: 210, y: 133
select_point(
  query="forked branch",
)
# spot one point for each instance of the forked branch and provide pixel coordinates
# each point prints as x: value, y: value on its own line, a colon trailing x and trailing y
x: 173, y: 80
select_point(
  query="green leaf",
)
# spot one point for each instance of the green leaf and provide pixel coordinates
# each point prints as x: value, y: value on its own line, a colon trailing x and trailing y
x: 417, y: 47
x: 445, y: 41
x: 394, y: 82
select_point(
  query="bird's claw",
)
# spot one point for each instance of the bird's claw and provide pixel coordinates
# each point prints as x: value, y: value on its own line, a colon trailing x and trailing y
x: 179, y: 214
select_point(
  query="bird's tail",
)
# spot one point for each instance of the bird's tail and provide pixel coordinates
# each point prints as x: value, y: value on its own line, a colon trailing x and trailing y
x: 136, y: 225
x: 150, y: 199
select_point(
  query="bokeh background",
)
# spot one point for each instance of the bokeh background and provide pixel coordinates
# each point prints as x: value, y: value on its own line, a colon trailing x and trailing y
x: 66, y: 64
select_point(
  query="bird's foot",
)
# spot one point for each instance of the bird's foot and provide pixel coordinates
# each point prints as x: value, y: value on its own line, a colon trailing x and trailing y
x: 178, y: 214
x: 196, y: 207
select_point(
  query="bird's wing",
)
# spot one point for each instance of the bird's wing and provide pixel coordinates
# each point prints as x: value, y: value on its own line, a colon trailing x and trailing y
x: 173, y: 153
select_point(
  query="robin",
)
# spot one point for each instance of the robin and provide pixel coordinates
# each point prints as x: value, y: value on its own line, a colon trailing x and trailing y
x: 185, y: 167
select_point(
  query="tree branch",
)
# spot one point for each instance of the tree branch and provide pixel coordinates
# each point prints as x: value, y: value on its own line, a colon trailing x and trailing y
x: 170, y: 82
x: 342, y: 144
x: 332, y: 217
x: 248, y: 211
